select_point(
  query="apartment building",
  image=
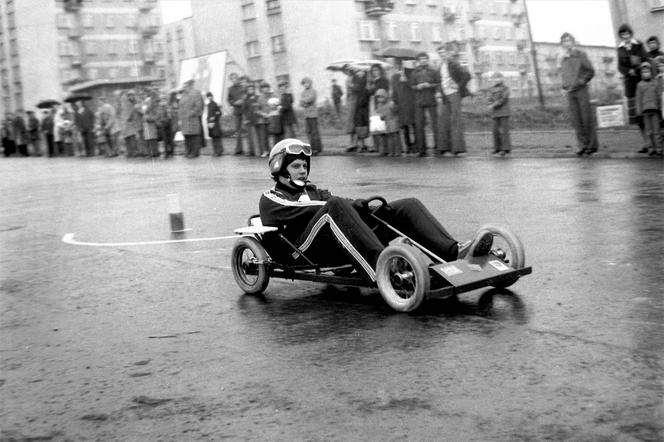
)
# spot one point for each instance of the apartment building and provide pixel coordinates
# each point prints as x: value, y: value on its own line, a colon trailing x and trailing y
x: 179, y: 44
x: 646, y: 17
x: 63, y: 46
x: 291, y: 39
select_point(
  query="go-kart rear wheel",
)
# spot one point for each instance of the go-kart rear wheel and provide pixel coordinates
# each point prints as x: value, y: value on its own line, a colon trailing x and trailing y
x: 513, y: 253
x: 248, y: 264
x: 402, y: 279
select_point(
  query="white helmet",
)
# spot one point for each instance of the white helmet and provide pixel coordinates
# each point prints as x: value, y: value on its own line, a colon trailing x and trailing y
x: 289, y: 146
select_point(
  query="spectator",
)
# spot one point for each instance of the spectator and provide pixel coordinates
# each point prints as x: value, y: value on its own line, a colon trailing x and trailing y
x: 288, y: 118
x: 131, y: 123
x: 336, y: 94
x: 425, y: 81
x: 85, y: 122
x: 351, y: 102
x: 454, y: 79
x: 649, y: 107
x: 251, y: 117
x: 499, y: 106
x: 631, y: 53
x: 387, y: 143
x: 377, y: 80
x: 361, y: 114
x: 34, y: 136
x: 308, y: 102
x: 21, y: 134
x: 275, y: 122
x: 7, y: 134
x: 166, y: 126
x: 47, y: 129
x: 654, y: 51
x: 150, y: 129
x: 189, y: 114
x: 236, y: 94
x: 404, y: 101
x: 214, y: 125
x: 64, y: 123
x: 577, y: 71
x: 109, y: 127
x: 262, y: 122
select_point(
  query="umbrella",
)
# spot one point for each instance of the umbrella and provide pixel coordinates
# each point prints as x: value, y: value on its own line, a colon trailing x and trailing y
x: 338, y: 65
x: 365, y: 65
x: 77, y: 97
x: 47, y: 104
x: 395, y: 52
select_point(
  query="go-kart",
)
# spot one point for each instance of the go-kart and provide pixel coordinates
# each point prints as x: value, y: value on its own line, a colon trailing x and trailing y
x: 406, y: 272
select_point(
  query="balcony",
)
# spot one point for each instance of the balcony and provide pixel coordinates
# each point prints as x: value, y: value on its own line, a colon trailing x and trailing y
x: 76, y: 60
x: 149, y: 57
x: 73, y: 33
x: 73, y: 5
x: 518, y: 18
x: 521, y: 44
x: 146, y: 5
x: 474, y: 16
x: 148, y: 30
x: 378, y: 8
x: 476, y: 43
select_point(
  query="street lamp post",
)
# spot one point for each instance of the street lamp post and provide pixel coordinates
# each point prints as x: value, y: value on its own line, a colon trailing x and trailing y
x: 533, y: 54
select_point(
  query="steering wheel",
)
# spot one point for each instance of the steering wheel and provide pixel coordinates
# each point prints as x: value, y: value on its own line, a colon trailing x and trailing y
x: 375, y: 208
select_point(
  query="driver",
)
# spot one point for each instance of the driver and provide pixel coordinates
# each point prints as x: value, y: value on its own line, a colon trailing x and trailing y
x: 327, y: 228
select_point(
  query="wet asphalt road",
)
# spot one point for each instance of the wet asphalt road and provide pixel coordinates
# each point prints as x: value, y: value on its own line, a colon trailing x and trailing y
x: 156, y: 342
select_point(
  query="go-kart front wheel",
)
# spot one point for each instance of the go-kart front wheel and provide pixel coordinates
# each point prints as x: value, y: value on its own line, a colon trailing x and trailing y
x: 507, y: 247
x: 248, y: 264
x: 402, y: 279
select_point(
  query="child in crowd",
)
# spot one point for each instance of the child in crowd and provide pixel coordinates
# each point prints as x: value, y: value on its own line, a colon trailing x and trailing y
x: 308, y: 102
x: 275, y: 125
x: 100, y: 137
x: 387, y: 142
x: 288, y: 119
x: 499, y: 96
x: 649, y: 107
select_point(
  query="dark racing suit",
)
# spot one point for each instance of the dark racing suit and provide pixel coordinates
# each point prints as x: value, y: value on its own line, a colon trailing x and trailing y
x: 327, y: 228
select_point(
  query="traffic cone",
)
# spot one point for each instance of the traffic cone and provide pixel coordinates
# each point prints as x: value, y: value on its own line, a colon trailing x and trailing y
x: 175, y: 213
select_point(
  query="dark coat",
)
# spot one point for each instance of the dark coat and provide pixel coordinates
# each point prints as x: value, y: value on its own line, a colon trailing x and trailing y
x: 499, y: 99
x: 362, y: 95
x: 85, y: 120
x: 250, y: 108
x: 337, y: 93
x: 47, y: 124
x: 235, y: 96
x: 425, y: 97
x: 213, y: 119
x: 287, y: 113
x: 33, y: 128
x: 460, y: 76
x: 631, y: 59
x: 404, y: 100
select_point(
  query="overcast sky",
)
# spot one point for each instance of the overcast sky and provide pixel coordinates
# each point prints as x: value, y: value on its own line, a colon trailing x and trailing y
x: 588, y: 20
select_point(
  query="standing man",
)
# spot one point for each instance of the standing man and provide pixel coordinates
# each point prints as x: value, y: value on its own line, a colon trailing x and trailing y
x: 86, y: 123
x: 21, y: 134
x: 109, y: 127
x: 34, y: 136
x: 454, y: 80
x: 577, y: 71
x: 337, y: 93
x: 47, y: 129
x: 425, y: 81
x: 7, y: 135
x: 131, y: 123
x: 214, y: 125
x: 236, y: 100
x: 165, y: 126
x: 189, y: 113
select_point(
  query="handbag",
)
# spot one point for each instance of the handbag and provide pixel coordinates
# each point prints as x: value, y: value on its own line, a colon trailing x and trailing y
x: 376, y: 125
x: 362, y: 131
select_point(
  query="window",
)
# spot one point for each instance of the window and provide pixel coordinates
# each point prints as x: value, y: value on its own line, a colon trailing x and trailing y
x: 113, y: 72
x: 93, y: 74
x: 65, y: 48
x: 133, y: 47
x: 90, y: 47
x: 278, y: 44
x: 415, y: 32
x: 392, y: 31
x: 248, y: 11
x: 134, y: 71
x: 253, y: 49
x: 496, y: 33
x: 411, y: 2
x: 110, y: 22
x: 112, y: 47
x: 432, y: 3
x: 435, y: 34
x: 367, y: 30
x: 273, y: 6
x: 63, y: 21
x: 88, y: 21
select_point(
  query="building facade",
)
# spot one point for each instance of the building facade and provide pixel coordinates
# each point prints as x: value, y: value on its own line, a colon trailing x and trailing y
x: 274, y: 40
x: 65, y: 46
x: 179, y: 44
x: 646, y: 17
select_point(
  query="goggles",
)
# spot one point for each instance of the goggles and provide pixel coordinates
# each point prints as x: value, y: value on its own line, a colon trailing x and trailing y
x: 296, y: 149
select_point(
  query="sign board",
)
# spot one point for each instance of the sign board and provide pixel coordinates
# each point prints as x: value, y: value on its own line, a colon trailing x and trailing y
x: 610, y: 116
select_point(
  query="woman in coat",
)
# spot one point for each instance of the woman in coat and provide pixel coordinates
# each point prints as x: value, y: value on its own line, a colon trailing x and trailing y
x: 377, y: 80
x: 362, y: 103
x: 150, y: 130
x: 214, y: 125
x: 404, y: 101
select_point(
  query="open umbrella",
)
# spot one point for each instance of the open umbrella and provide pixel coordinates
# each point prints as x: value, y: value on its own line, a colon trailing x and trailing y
x: 77, y: 97
x: 47, y: 104
x: 365, y: 65
x: 396, y: 52
x: 338, y: 65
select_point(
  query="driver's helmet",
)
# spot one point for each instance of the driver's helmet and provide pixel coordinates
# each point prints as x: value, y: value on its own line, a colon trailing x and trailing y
x: 290, y: 146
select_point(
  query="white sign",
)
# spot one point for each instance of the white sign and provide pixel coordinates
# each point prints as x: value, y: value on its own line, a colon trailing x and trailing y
x: 610, y: 116
x: 208, y: 73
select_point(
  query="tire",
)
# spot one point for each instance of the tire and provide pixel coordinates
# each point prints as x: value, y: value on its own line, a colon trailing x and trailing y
x: 515, y: 254
x: 395, y: 263
x: 245, y: 250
